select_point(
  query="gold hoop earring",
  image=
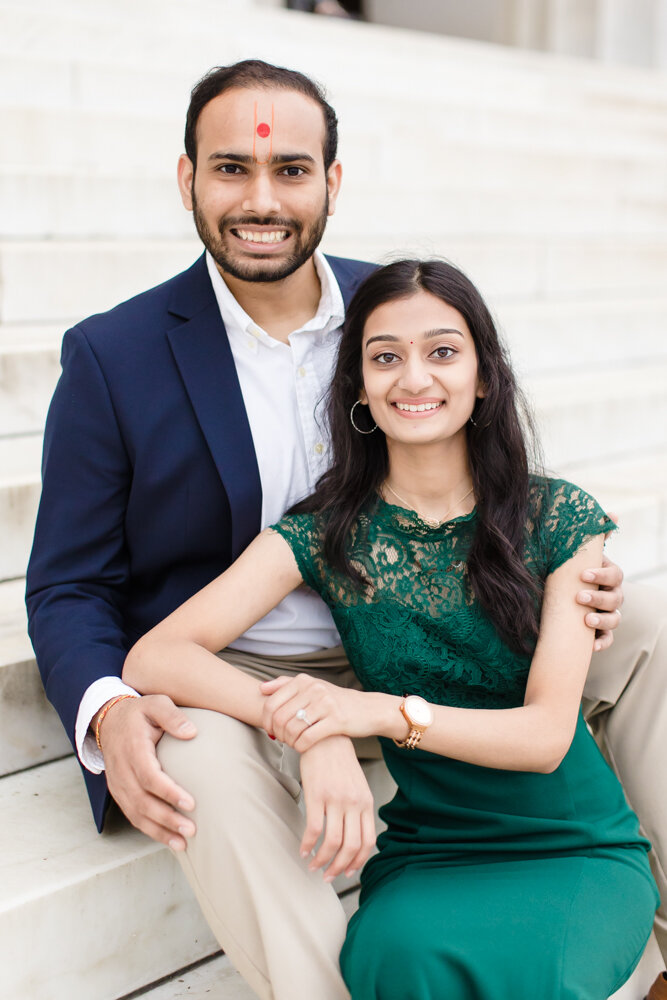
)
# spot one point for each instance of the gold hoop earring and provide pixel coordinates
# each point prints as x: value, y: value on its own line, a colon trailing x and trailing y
x: 358, y: 429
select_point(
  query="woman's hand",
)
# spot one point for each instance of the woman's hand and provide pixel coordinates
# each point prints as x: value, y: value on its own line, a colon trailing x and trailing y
x: 339, y: 804
x: 302, y: 710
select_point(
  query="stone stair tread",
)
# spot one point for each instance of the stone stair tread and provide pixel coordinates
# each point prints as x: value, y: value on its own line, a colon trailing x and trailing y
x: 213, y: 979
x: 20, y: 459
x: 216, y: 978
x: 30, y: 337
x: 111, y: 913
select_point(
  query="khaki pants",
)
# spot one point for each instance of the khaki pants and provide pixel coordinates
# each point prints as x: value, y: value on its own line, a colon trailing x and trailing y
x: 283, y: 927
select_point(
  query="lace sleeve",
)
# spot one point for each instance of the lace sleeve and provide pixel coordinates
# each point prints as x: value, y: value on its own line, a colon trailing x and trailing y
x: 571, y: 518
x: 302, y: 534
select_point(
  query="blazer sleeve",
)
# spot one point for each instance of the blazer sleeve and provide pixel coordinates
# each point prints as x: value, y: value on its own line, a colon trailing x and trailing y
x: 78, y: 572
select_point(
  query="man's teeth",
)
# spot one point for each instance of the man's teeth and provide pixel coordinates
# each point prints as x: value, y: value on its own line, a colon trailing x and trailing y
x: 275, y: 236
x: 417, y: 407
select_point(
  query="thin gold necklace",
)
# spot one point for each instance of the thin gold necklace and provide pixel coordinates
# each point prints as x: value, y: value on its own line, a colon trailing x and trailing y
x: 432, y: 522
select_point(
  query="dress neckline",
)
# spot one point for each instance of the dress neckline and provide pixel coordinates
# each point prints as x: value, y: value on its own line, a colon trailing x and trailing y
x: 409, y: 522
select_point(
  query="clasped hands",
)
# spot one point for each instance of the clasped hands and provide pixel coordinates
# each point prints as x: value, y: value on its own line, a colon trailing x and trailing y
x: 302, y: 710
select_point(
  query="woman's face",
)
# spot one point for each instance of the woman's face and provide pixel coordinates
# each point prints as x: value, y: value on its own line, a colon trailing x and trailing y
x: 419, y: 368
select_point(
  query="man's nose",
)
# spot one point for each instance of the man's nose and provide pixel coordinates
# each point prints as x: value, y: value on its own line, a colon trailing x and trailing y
x: 415, y: 376
x: 260, y: 196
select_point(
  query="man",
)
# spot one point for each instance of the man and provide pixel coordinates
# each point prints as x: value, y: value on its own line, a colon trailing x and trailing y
x: 184, y: 422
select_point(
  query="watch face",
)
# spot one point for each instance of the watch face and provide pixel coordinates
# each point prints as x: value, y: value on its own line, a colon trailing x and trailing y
x: 418, y: 710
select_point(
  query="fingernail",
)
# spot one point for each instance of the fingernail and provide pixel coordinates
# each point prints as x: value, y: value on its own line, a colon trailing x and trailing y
x: 351, y: 873
x: 187, y: 727
x: 329, y: 878
x: 593, y: 620
x: 304, y: 854
x: 186, y: 831
x: 187, y: 804
x: 585, y: 598
x: 597, y: 647
x: 588, y: 575
x: 176, y: 845
x: 271, y: 736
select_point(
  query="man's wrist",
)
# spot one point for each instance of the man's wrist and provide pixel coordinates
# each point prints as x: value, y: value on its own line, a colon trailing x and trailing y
x: 99, y: 717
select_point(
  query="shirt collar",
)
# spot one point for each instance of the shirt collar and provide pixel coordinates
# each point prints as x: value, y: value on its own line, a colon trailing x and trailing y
x: 329, y: 316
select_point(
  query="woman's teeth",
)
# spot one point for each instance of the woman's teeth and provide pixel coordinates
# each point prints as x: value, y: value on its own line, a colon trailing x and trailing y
x: 275, y: 236
x: 417, y: 407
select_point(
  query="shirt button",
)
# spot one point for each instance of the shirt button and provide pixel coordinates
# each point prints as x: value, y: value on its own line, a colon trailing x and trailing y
x: 319, y: 448
x: 301, y: 371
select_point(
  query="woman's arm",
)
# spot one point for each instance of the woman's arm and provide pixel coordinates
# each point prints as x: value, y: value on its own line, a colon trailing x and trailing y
x: 177, y: 657
x: 534, y: 737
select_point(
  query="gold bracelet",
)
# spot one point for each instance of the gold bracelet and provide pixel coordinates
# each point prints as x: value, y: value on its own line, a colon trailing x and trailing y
x: 102, y: 715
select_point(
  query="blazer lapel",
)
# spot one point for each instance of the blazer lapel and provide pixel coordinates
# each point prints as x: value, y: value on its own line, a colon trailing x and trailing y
x: 204, y: 358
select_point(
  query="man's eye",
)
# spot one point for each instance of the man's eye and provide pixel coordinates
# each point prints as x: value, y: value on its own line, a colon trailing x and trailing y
x: 293, y: 171
x: 443, y: 352
x: 229, y: 168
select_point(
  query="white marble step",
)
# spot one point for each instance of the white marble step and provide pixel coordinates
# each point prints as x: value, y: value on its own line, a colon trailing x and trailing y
x: 112, y: 914
x: 635, y: 490
x: 587, y: 416
x: 20, y: 486
x: 29, y: 370
x: 78, y: 278
x: 30, y: 731
x: 595, y: 334
x: 72, y: 205
x: 176, y: 38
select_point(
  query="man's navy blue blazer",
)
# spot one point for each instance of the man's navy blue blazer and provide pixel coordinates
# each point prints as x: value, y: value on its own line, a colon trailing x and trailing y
x: 151, y: 486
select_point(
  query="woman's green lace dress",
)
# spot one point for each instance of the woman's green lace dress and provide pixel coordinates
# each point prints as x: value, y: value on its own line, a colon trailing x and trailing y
x: 488, y: 884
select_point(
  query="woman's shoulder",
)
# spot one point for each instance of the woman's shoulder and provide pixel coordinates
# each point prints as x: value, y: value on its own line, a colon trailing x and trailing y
x: 562, y: 517
x: 552, y: 497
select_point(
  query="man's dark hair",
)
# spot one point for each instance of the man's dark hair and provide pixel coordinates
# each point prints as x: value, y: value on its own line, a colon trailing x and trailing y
x: 256, y: 73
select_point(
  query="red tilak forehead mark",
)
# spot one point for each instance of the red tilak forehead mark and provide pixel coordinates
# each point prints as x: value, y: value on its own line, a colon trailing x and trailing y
x: 264, y: 131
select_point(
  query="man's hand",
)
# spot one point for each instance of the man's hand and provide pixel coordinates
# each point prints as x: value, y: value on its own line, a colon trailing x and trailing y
x: 605, y: 603
x: 335, y: 789
x: 148, y: 797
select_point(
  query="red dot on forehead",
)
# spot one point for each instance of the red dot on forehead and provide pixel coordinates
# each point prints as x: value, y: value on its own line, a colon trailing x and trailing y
x: 263, y: 130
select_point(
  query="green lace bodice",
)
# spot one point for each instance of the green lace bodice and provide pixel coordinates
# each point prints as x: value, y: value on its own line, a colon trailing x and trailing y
x: 417, y: 627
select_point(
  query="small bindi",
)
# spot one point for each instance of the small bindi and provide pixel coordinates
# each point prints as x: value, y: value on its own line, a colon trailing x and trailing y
x: 263, y: 130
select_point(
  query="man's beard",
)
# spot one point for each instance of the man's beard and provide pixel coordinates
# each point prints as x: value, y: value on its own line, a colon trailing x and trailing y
x: 306, y: 242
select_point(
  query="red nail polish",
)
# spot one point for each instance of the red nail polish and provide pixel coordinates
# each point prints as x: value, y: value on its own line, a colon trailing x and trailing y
x: 271, y: 736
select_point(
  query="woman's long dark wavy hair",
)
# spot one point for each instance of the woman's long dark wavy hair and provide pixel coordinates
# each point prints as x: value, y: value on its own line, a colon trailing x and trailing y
x: 498, y: 448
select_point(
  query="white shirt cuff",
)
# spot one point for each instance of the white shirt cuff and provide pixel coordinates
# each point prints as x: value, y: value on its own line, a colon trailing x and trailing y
x: 98, y: 694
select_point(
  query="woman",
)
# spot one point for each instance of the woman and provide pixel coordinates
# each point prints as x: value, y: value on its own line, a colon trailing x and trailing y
x: 511, y: 866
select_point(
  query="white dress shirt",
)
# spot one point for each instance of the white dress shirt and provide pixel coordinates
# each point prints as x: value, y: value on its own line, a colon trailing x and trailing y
x: 283, y: 387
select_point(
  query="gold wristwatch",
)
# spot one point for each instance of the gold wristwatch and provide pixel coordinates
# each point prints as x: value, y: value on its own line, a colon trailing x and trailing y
x: 419, y: 715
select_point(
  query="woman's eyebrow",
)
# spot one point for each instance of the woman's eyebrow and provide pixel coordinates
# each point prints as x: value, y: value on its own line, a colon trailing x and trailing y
x: 390, y: 338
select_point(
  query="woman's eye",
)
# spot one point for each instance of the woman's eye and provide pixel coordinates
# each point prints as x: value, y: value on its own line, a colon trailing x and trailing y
x: 385, y: 358
x: 443, y: 352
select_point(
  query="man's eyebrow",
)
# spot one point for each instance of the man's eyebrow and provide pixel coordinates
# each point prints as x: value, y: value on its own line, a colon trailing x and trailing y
x: 429, y: 335
x: 245, y: 158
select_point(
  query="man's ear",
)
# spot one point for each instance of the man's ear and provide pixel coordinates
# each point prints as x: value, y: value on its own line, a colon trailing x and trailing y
x: 334, y: 180
x: 185, y: 173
